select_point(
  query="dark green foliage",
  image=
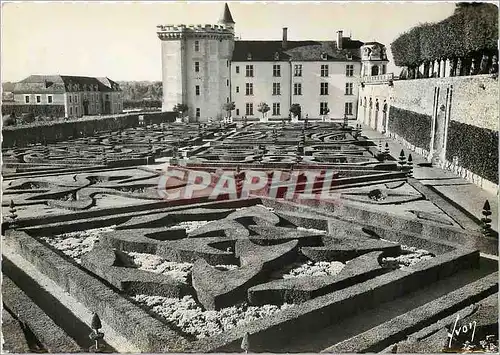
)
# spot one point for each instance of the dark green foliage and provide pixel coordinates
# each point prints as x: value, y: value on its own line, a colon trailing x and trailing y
x: 180, y: 109
x: 96, y: 322
x: 143, y: 104
x: 470, y: 30
x: 9, y: 120
x: 36, y: 110
x: 475, y: 148
x: 295, y: 109
x: 412, y: 126
x: 139, y: 91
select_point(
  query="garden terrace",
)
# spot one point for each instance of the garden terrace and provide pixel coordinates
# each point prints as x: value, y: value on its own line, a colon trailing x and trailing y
x: 197, y: 274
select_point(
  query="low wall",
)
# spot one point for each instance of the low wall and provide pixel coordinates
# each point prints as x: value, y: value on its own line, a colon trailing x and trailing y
x: 453, y: 120
x: 50, y: 132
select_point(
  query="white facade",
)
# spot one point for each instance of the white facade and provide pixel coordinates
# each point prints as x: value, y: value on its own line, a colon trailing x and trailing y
x: 195, y: 68
x: 202, y: 69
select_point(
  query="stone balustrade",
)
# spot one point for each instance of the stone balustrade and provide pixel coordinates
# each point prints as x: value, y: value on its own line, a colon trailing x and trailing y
x: 378, y: 78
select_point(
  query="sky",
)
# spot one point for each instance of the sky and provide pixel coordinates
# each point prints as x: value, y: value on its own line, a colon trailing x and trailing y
x: 118, y: 39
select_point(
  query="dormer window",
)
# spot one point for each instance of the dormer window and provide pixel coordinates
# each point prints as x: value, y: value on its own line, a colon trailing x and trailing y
x: 276, y: 56
x: 249, y: 56
x: 348, y: 56
x: 324, y: 56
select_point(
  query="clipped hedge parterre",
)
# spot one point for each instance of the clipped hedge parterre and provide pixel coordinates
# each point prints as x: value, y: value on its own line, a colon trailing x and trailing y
x: 414, y: 127
x: 475, y: 148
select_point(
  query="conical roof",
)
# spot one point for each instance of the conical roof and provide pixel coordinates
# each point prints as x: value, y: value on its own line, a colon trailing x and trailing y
x: 226, y: 16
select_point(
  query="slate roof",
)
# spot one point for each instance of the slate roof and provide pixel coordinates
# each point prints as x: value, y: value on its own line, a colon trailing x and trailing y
x: 296, y: 50
x: 226, y: 15
x: 58, y: 84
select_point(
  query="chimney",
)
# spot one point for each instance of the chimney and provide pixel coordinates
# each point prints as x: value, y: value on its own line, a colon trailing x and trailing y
x: 339, y: 39
x: 284, y: 43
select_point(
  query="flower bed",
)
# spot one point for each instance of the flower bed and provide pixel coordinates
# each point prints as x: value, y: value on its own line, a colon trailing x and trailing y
x: 188, y: 317
x: 76, y: 244
x: 409, y: 257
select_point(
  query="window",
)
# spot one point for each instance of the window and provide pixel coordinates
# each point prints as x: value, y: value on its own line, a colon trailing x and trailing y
x: 237, y: 89
x: 198, y: 112
x: 276, y: 89
x: 297, y: 70
x: 71, y: 110
x: 227, y: 82
x: 276, y: 70
x: 276, y: 109
x: 249, y: 71
x: 76, y: 99
x: 384, y: 69
x: 76, y: 110
x: 348, y: 108
x: 249, y: 109
x: 237, y: 112
x: 227, y: 63
x: 249, y: 88
x: 227, y: 99
x: 237, y: 69
x: 27, y: 99
x: 348, y: 88
x: 196, y: 46
x: 324, y: 70
x: 349, y: 70
x: 38, y: 99
x: 107, y: 96
x: 197, y: 67
x: 49, y: 99
x: 69, y: 98
x: 323, y: 89
x: 323, y: 108
x: 297, y: 89
x: 197, y: 90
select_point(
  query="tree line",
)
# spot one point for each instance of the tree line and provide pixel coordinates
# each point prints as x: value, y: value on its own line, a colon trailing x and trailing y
x: 470, y: 34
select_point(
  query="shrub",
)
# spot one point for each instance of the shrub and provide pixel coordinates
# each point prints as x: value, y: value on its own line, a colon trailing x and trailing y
x: 471, y: 29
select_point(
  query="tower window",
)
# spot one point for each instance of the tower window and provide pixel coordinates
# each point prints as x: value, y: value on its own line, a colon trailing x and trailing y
x: 324, y: 70
x: 197, y: 67
x: 276, y: 70
x: 323, y: 89
x: 249, y: 109
x: 237, y: 112
x: 196, y: 46
x: 348, y: 88
x: 197, y: 90
x: 323, y: 108
x: 276, y: 89
x: 237, y: 89
x: 69, y: 97
x: 198, y: 112
x: 249, y: 88
x: 349, y: 70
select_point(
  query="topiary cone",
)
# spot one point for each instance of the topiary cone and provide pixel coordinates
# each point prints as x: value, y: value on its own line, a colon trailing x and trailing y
x: 96, y: 322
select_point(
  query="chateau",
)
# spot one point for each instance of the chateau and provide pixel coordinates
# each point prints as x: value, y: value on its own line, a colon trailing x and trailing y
x: 76, y: 95
x: 205, y: 66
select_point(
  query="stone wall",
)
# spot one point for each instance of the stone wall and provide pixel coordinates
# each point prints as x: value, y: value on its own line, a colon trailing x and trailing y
x: 21, y: 136
x: 453, y: 121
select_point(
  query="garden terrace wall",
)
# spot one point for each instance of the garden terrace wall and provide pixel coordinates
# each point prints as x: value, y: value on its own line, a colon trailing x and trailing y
x: 471, y: 135
x: 21, y: 136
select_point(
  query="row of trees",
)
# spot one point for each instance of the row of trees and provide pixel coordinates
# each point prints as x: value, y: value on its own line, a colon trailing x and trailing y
x: 263, y: 108
x: 471, y: 33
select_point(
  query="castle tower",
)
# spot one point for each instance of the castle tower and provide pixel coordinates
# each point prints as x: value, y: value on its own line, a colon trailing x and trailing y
x: 196, y: 66
x: 374, y: 59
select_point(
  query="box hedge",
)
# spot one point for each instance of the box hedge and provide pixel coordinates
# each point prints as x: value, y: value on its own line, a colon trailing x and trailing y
x: 414, y: 127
